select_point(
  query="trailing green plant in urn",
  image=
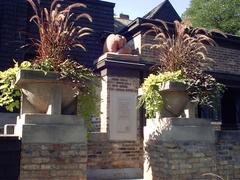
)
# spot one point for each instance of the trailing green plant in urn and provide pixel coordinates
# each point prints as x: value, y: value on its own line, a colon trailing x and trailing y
x: 183, y: 58
x: 59, y: 32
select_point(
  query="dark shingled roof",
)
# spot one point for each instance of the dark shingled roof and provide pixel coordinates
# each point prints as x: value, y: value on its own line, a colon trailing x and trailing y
x: 120, y: 23
x: 164, y: 11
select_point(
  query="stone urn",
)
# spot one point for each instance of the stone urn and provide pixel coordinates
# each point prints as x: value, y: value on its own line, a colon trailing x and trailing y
x: 45, y: 93
x: 175, y: 99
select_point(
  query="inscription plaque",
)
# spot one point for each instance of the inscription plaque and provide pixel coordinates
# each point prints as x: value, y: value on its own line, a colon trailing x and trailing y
x: 123, y: 116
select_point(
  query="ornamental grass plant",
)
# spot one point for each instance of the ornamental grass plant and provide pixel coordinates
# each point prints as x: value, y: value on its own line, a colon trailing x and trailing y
x: 59, y: 32
x: 183, y: 53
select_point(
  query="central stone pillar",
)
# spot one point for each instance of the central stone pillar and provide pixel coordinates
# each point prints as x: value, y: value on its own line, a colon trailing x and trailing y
x: 121, y: 125
x: 120, y: 82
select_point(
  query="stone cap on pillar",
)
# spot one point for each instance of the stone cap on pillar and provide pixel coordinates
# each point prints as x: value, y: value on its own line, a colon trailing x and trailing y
x: 120, y: 63
x: 126, y: 57
x: 180, y: 129
x: 59, y: 129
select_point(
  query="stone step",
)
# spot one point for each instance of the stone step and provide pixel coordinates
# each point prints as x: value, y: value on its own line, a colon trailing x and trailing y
x: 115, y: 174
x: 9, y: 129
x: 8, y: 118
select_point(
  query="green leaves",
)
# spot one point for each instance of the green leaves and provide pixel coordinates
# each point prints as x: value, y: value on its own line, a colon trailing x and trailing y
x: 44, y: 65
x: 86, y: 82
x: 87, y: 104
x: 215, y: 14
x: 9, y: 92
x: 151, y: 98
x: 204, y: 89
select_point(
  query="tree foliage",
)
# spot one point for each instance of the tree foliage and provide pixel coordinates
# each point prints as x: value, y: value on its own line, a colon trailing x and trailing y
x: 223, y: 15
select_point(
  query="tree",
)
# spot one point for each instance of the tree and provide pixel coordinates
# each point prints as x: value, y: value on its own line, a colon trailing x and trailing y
x: 223, y: 15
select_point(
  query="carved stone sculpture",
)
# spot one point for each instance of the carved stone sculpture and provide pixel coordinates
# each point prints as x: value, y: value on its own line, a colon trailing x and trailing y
x: 115, y: 43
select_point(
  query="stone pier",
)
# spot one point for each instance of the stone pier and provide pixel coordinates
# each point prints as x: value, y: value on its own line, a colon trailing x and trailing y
x: 189, y: 148
x: 116, y: 152
x: 53, y: 144
x: 53, y: 147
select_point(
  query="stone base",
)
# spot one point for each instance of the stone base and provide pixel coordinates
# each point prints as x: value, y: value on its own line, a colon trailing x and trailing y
x: 53, y: 147
x: 42, y: 128
x: 190, y: 149
x: 179, y: 129
x: 123, y: 173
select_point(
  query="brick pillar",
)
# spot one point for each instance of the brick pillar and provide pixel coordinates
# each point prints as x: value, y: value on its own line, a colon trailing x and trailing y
x: 121, y: 125
x: 120, y: 83
x: 53, y: 147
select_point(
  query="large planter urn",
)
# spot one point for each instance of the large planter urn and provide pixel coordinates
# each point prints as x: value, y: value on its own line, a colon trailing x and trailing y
x: 175, y: 98
x: 46, y: 93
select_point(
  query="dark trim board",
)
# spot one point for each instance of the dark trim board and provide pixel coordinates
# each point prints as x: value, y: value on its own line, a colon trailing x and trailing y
x: 230, y: 80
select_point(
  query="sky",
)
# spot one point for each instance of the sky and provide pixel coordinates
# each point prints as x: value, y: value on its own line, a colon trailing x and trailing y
x: 138, y: 8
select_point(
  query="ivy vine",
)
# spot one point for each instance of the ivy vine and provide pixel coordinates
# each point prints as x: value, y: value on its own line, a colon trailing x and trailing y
x: 151, y: 97
x: 9, y: 93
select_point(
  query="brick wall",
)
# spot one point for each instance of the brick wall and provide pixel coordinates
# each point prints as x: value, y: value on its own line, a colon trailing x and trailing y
x: 53, y: 161
x: 181, y: 160
x: 148, y: 54
x: 105, y: 154
x: 228, y: 154
x: 227, y: 60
